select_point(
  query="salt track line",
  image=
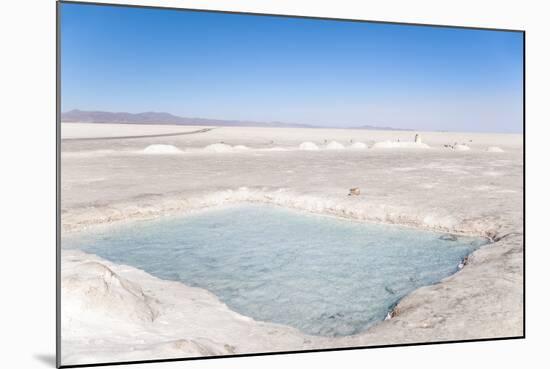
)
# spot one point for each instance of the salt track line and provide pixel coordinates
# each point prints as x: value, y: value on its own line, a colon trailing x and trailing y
x: 204, y: 130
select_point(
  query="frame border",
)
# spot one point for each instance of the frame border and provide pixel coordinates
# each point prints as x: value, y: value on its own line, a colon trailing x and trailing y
x: 58, y: 183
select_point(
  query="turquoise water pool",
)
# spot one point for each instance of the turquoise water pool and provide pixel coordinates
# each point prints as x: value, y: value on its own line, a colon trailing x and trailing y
x: 322, y: 275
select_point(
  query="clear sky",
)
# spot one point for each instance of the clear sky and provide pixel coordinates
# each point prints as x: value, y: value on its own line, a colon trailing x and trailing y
x: 320, y: 72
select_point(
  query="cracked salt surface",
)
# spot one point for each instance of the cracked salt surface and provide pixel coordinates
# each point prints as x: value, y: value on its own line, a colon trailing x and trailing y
x: 322, y: 275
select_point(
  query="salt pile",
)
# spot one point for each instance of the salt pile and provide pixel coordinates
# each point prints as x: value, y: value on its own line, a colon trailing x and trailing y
x: 240, y: 148
x: 358, y: 145
x: 218, y: 147
x: 158, y: 149
x: 221, y: 147
x: 335, y: 145
x: 310, y: 146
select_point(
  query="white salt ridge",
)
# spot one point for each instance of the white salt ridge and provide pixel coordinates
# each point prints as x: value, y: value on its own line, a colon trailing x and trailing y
x: 218, y: 147
x: 158, y: 149
x: 225, y: 148
x: 335, y: 145
x: 308, y: 146
x: 378, y: 213
x: 494, y: 149
x: 400, y: 145
x: 358, y: 145
x: 240, y: 148
x: 94, y: 289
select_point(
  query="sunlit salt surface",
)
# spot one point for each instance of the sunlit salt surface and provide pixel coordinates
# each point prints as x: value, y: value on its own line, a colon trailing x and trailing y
x: 322, y: 275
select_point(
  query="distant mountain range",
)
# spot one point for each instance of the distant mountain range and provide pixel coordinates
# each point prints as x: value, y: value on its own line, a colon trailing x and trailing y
x: 83, y: 116
x: 378, y: 128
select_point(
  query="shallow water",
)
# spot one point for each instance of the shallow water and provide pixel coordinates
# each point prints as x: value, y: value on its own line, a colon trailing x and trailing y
x: 322, y: 275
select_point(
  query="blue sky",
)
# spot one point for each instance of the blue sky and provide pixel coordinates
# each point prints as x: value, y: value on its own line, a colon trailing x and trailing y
x: 320, y: 72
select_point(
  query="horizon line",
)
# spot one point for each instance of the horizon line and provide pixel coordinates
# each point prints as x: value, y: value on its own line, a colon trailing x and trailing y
x: 261, y: 124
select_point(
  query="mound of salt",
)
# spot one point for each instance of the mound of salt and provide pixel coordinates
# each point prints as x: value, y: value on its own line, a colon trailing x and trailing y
x: 335, y: 145
x: 308, y: 146
x: 218, y: 147
x: 461, y: 147
x: 358, y: 145
x: 494, y: 149
x: 93, y: 288
x: 161, y: 149
x: 400, y: 145
x: 241, y: 148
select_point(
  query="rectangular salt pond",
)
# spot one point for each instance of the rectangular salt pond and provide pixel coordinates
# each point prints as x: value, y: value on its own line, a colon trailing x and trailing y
x: 322, y: 275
